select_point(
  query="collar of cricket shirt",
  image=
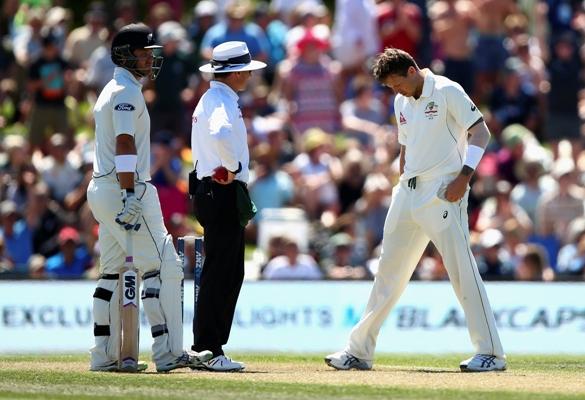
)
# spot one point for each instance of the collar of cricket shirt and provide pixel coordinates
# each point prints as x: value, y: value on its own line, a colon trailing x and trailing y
x: 122, y: 72
x: 223, y: 86
x: 429, y: 83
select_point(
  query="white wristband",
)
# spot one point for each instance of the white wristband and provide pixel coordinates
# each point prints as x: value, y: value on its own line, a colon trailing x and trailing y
x: 473, y: 157
x: 126, y: 162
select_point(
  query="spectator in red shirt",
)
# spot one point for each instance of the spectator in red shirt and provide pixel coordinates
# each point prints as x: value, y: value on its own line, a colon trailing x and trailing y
x: 400, y: 25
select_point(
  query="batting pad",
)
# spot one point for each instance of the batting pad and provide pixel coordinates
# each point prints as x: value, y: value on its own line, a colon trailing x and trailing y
x: 106, y: 317
x: 162, y: 304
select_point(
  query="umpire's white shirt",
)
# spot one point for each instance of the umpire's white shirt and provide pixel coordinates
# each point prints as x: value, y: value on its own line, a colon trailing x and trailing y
x: 218, y: 134
x: 434, y: 127
x: 120, y: 109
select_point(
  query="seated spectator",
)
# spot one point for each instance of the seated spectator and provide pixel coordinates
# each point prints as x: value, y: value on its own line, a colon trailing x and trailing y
x: 494, y: 262
x: 372, y: 207
x: 18, y: 190
x: 16, y: 148
x: 496, y: 210
x: 271, y: 129
x: 534, y: 265
x: 292, y: 265
x: 571, y: 260
x: 352, y: 182
x: 512, y: 102
x: 237, y: 28
x: 269, y: 187
x: 45, y: 218
x: 317, y: 171
x: 556, y: 209
x: 363, y: 116
x: 72, y: 260
x: 514, y: 240
x: 532, y: 185
x: 57, y: 171
x: 165, y: 170
x: 342, y: 265
x: 17, y: 237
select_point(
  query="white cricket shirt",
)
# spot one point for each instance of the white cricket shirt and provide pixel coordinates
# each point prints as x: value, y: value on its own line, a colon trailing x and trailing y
x: 218, y: 133
x: 434, y: 127
x: 119, y: 109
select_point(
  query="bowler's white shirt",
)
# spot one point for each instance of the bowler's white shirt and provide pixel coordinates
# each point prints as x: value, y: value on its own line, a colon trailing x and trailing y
x: 218, y: 133
x: 120, y: 109
x: 434, y: 127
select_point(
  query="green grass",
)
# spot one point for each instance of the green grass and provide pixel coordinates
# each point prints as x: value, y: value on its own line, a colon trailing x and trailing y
x: 280, y: 376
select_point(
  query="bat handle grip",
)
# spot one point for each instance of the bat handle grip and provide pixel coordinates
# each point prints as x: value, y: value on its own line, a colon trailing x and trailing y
x: 129, y: 247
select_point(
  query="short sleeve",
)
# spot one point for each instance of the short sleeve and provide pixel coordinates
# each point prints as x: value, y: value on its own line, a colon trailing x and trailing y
x: 400, y: 120
x: 127, y: 106
x: 461, y: 107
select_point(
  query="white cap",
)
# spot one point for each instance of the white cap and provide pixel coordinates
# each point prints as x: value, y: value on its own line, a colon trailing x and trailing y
x: 205, y: 8
x: 231, y: 57
x: 171, y: 30
x: 490, y: 238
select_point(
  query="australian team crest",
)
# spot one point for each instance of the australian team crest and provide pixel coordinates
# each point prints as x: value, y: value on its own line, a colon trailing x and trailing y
x: 431, y: 110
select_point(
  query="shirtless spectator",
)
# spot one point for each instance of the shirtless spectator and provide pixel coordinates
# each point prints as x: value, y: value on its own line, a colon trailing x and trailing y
x: 490, y: 53
x: 452, y: 21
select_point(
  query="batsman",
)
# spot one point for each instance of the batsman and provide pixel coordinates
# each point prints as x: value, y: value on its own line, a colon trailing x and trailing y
x: 122, y: 200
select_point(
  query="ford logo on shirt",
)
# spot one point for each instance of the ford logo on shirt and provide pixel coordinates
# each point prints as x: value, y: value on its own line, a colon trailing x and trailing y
x: 124, y: 107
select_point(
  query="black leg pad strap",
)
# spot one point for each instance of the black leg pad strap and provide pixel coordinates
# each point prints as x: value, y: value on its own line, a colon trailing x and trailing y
x: 159, y: 330
x: 110, y: 277
x: 150, y: 274
x: 103, y: 294
x: 101, y: 330
x: 150, y: 293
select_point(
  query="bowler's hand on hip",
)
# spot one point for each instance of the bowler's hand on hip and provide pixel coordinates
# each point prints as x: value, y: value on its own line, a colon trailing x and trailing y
x: 131, y: 212
x: 456, y: 188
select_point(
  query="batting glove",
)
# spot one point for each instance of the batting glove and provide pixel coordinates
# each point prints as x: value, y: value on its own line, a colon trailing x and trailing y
x: 131, y: 211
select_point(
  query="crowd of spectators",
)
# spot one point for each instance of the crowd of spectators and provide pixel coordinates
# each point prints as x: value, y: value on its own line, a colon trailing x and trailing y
x: 322, y: 133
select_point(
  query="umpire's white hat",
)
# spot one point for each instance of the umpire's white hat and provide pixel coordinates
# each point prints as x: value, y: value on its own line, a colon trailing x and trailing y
x: 231, y: 57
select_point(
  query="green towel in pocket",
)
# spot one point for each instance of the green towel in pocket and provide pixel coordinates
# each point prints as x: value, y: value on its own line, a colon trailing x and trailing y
x: 246, y: 207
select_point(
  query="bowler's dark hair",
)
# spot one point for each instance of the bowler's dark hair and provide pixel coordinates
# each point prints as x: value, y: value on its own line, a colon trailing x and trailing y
x: 392, y: 62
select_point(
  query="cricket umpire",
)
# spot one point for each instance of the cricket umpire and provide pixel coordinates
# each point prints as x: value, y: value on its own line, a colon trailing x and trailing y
x: 122, y: 199
x: 442, y: 138
x: 221, y: 200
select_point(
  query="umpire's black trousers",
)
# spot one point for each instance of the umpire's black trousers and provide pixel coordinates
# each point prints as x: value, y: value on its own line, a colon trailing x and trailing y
x: 223, y: 270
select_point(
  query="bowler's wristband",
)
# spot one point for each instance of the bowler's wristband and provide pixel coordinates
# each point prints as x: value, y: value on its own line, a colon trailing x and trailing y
x: 473, y: 157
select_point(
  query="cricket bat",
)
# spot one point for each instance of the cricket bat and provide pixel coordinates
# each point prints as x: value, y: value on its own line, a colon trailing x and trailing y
x: 129, y: 284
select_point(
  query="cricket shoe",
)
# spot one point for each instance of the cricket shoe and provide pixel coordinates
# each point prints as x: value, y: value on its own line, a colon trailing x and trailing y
x: 113, y: 367
x: 222, y: 363
x: 186, y: 360
x: 483, y: 363
x: 344, y: 360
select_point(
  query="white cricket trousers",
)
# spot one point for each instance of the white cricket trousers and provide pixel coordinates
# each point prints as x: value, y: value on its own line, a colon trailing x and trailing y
x: 417, y: 215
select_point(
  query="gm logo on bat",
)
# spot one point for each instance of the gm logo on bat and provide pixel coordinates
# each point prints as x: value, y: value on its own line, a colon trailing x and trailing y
x: 130, y: 279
